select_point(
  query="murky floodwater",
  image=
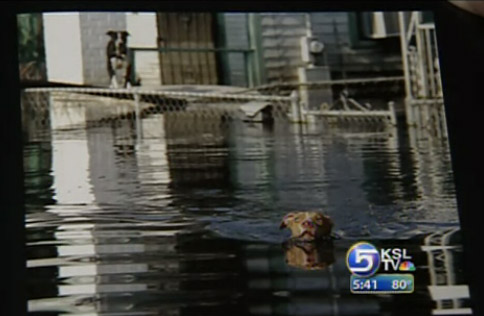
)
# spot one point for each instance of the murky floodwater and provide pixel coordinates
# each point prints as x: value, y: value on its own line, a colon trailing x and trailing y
x: 187, y: 222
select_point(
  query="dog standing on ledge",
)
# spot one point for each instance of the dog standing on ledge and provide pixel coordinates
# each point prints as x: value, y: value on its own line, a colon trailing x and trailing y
x: 308, y: 226
x: 117, y: 59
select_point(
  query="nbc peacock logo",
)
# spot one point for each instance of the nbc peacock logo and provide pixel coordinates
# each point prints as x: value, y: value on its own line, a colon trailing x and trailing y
x: 407, y: 266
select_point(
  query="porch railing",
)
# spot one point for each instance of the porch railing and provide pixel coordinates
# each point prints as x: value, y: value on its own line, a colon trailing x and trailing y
x: 423, y: 86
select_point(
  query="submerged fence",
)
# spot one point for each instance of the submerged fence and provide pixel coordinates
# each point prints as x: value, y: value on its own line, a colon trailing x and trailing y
x: 70, y: 108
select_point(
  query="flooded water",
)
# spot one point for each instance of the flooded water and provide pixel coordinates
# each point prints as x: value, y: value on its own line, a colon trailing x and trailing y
x: 186, y: 222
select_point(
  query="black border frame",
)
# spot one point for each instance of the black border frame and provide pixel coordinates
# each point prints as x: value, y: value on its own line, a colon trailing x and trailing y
x: 461, y: 49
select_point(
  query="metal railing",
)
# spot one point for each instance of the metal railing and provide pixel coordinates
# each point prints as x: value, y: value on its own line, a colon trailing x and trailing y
x: 423, y: 86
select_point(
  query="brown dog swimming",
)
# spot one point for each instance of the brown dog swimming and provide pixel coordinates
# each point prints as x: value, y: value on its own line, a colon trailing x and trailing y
x: 309, y: 255
x: 308, y: 226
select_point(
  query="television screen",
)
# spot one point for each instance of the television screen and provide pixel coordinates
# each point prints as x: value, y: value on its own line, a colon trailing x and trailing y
x: 237, y: 163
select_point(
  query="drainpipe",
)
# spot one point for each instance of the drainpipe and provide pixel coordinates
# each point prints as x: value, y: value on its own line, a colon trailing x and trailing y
x: 309, y: 31
x: 255, y: 44
x: 404, y: 49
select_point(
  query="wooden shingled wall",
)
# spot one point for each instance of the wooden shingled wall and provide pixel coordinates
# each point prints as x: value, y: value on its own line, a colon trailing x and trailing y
x: 281, y: 33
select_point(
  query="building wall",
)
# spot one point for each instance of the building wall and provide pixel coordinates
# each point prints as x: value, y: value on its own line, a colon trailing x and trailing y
x: 143, y: 30
x: 281, y: 47
x: 31, y: 44
x: 63, y: 51
x: 280, y: 38
x: 236, y: 36
x: 332, y: 29
x: 94, y: 26
x: 280, y: 41
x: 76, y: 46
x: 281, y: 33
x: 355, y: 51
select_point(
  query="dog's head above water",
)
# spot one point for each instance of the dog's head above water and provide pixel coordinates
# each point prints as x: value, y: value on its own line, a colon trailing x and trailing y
x: 308, y: 226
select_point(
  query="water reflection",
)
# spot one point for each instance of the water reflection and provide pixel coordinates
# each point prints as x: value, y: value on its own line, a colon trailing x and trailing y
x: 186, y: 222
x: 203, y: 275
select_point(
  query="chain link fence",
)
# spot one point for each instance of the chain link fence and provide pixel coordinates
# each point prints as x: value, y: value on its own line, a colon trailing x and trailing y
x: 62, y: 108
x: 71, y: 108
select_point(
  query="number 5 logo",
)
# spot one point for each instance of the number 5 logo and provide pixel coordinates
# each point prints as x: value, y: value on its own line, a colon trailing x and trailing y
x: 363, y: 259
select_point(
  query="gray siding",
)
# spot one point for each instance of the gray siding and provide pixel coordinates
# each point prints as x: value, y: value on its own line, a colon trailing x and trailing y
x: 147, y: 68
x: 331, y: 28
x: 281, y: 49
x: 94, y: 26
x: 143, y: 33
x: 236, y: 37
x: 324, y: 26
x: 281, y: 33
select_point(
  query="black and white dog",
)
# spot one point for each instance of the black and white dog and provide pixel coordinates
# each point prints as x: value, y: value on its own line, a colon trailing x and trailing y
x: 119, y: 67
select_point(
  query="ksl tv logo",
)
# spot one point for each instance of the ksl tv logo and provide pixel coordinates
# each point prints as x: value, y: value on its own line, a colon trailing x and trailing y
x: 363, y: 259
